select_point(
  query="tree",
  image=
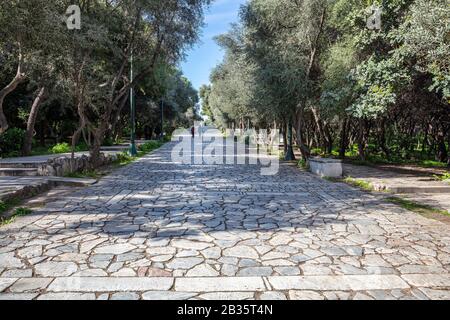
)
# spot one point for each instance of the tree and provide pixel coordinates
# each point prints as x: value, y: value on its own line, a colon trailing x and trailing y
x: 152, y: 31
x: 27, y: 34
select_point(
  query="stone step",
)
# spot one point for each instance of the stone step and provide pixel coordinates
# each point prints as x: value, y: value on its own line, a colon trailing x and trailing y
x: 75, y: 182
x: 232, y: 284
x: 21, y: 164
x: 18, y: 172
x: 24, y: 187
x: 414, y: 189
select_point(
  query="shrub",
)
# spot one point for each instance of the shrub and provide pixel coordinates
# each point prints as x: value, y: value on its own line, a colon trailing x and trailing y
x: 124, y: 158
x: 82, y: 146
x: 444, y: 177
x: 61, y: 148
x: 3, y: 206
x: 108, y: 142
x: 11, y: 142
x: 149, y: 146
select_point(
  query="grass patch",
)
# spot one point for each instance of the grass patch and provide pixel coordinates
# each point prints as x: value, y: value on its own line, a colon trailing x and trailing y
x: 8, y: 204
x: 3, y: 207
x: 302, y: 163
x: 150, y: 146
x: 358, y: 183
x: 419, y: 208
x: 444, y: 177
x: 331, y: 179
x: 19, y: 212
x: 353, y: 182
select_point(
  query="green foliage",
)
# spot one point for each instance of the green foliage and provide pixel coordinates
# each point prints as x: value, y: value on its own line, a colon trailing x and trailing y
x: 302, y: 164
x: 443, y: 177
x: 359, y: 183
x: 426, y: 33
x: 61, y: 148
x: 3, y: 206
x: 317, y: 65
x: 22, y: 211
x: 376, y: 82
x: 11, y: 142
x: 18, y: 212
x: 150, y: 146
x: 419, y: 208
x: 124, y: 158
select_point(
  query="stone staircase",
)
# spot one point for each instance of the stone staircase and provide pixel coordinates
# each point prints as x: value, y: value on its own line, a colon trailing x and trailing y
x: 20, y: 169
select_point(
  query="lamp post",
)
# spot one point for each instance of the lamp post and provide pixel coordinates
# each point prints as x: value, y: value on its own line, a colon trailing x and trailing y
x: 290, y: 152
x: 133, y: 151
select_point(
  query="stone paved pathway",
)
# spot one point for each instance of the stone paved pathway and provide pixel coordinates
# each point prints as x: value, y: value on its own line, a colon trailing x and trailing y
x: 160, y: 230
x: 416, y: 184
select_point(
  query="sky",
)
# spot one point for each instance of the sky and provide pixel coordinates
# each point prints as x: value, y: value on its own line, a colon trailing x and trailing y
x: 207, y: 54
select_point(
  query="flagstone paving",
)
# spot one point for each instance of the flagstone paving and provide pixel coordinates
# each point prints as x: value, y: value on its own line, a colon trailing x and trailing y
x: 161, y: 230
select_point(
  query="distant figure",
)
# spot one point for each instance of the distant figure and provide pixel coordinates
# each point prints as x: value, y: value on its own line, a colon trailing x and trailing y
x: 193, y: 132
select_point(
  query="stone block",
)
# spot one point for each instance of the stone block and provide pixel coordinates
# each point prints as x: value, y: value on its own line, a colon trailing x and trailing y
x: 326, y: 167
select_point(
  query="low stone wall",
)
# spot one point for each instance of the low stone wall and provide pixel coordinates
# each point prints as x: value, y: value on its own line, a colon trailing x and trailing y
x: 326, y: 167
x: 62, y: 166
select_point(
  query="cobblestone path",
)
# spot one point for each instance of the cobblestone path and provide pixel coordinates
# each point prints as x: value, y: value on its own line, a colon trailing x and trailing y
x: 161, y: 230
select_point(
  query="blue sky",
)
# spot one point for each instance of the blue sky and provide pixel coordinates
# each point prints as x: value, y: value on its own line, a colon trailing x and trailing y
x: 207, y: 54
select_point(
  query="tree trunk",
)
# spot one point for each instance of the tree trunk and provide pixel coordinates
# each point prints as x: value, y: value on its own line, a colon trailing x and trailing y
x: 18, y: 78
x: 448, y: 158
x: 344, y: 139
x: 32, y: 121
x: 328, y: 139
x: 285, y: 146
x: 382, y: 139
x: 442, y: 154
x: 95, y: 151
x: 361, y: 140
x: 320, y: 130
x: 306, y: 153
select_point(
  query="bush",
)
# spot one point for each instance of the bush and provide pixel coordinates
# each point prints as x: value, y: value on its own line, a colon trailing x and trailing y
x: 3, y: 206
x: 108, y: 142
x: 149, y: 146
x: 11, y: 142
x: 124, y: 157
x: 82, y: 146
x: 61, y: 148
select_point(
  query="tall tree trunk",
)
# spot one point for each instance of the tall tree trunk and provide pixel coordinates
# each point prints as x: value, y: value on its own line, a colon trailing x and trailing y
x: 344, y: 139
x: 321, y: 140
x: 95, y: 149
x: 32, y: 121
x: 361, y: 140
x: 285, y: 146
x: 328, y: 139
x: 448, y: 158
x: 442, y: 154
x: 306, y: 153
x: 382, y: 139
x: 314, y: 44
x: 18, y: 78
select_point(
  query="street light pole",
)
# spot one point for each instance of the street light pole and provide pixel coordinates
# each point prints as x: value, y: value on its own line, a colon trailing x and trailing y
x: 133, y: 151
